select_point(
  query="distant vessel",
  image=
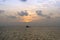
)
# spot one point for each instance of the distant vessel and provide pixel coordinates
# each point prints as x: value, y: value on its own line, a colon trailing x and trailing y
x: 27, y: 26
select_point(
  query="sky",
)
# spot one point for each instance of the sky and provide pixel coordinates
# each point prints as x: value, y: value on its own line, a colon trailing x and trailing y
x: 36, y: 12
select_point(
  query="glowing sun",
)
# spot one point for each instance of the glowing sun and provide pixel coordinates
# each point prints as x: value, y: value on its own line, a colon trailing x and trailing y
x: 26, y: 19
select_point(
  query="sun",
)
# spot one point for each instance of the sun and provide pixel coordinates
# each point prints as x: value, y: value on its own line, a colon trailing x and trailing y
x: 26, y: 19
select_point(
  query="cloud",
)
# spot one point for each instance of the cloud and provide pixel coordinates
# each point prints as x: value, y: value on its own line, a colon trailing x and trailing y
x: 23, y: 0
x: 2, y: 11
x: 23, y: 13
x: 39, y: 13
x: 47, y: 3
x: 2, y: 0
x: 57, y: 3
x: 13, y: 17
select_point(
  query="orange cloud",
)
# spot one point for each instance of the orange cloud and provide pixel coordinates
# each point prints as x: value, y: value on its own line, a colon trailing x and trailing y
x: 26, y: 19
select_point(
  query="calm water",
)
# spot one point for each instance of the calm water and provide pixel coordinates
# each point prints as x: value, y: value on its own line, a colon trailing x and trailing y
x: 31, y: 33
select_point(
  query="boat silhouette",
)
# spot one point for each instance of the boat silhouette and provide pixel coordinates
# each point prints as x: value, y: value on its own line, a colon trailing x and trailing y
x: 27, y: 26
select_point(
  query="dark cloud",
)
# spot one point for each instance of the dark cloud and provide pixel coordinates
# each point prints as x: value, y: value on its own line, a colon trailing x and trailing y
x: 23, y: 0
x: 13, y: 17
x: 39, y: 12
x: 48, y: 17
x: 2, y: 0
x: 2, y: 11
x: 51, y: 14
x: 23, y: 13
